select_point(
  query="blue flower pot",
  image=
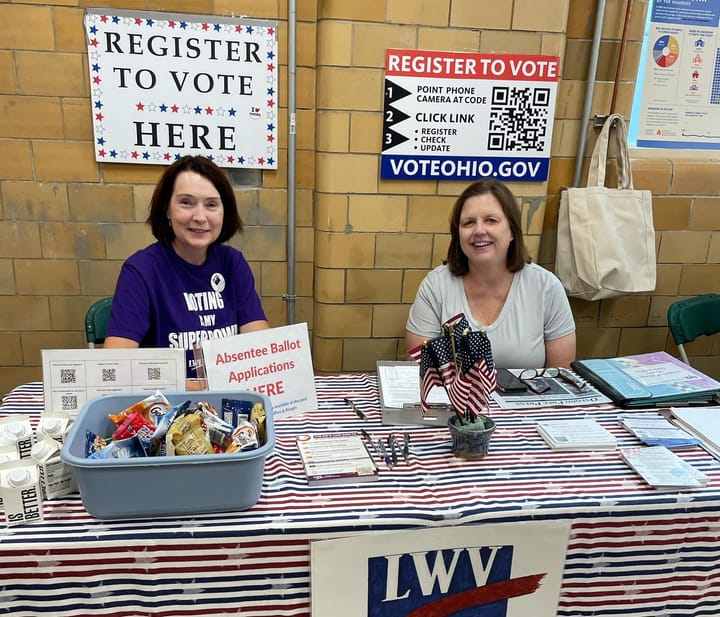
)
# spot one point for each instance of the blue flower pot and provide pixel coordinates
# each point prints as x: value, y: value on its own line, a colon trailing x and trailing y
x: 469, y: 441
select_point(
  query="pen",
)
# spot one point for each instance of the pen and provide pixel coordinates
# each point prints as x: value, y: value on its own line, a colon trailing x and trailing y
x: 360, y: 413
x: 392, y: 444
x: 406, y: 446
x: 368, y: 439
x: 384, y: 453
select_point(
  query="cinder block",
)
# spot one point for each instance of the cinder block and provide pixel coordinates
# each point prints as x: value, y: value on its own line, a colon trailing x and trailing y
x: 98, y: 277
x: 373, y: 286
x: 429, y: 213
x: 331, y: 212
x: 652, y: 174
x: 597, y: 342
x: 357, y: 89
x: 671, y: 212
x: 370, y: 10
x: 421, y: 12
x: 43, y: 277
x: 7, y: 278
x: 641, y: 340
x: 381, y: 213
x: 27, y: 27
x: 30, y: 116
x: 365, y: 132
x: 371, y: 40
x: 706, y: 213
x: 66, y: 161
x: 389, y: 320
x: 403, y: 250
x: 77, y: 119
x: 51, y: 74
x: 334, y: 43
x: 363, y: 354
x: 333, y: 131
x: 66, y: 240
x: 344, y: 250
x: 343, y: 320
x: 112, y: 203
x: 7, y: 73
x: 12, y: 350
x: 624, y: 311
x: 68, y: 28
x: 699, y: 279
x: 19, y: 239
x: 16, y: 161
x: 684, y: 247
x: 35, y: 201
x: 329, y: 285
x: 327, y: 354
x: 123, y: 239
x: 552, y: 17
x: 354, y: 173
x: 667, y: 279
x: 450, y: 39
x: 492, y: 16
x: 696, y: 178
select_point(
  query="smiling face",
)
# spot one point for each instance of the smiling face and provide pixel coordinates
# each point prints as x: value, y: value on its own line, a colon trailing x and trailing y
x: 196, y: 215
x: 484, y: 231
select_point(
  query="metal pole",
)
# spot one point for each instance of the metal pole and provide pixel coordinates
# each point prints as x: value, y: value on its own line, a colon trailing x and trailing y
x: 289, y: 297
x: 592, y: 71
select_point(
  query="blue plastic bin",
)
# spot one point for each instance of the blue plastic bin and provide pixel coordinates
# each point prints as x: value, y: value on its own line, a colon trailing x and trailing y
x: 164, y: 485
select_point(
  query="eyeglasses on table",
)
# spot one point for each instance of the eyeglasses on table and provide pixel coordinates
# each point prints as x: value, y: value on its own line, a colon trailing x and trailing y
x: 533, y: 378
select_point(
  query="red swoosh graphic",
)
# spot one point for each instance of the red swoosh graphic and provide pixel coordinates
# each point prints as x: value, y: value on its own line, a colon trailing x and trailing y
x: 481, y: 595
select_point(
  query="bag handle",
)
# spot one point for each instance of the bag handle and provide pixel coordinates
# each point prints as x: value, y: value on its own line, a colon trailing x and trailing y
x: 598, y: 162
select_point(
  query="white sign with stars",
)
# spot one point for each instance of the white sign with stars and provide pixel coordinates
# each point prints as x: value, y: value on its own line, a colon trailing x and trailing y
x: 167, y: 85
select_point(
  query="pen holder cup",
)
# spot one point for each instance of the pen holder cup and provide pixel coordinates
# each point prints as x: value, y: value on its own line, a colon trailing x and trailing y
x: 471, y: 441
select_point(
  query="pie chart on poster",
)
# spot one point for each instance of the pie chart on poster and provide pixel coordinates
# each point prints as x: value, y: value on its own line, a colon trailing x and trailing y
x: 666, y: 51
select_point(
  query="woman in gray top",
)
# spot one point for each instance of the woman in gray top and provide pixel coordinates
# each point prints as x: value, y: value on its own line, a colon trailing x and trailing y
x: 488, y: 277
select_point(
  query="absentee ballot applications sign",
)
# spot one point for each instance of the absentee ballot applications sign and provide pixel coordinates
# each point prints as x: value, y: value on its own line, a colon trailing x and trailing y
x: 465, y: 116
x: 167, y: 85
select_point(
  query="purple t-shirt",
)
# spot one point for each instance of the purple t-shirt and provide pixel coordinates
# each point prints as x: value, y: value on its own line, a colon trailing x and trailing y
x: 163, y: 301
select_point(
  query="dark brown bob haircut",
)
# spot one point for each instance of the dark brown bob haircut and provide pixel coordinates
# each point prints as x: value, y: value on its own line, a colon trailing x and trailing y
x: 158, y: 219
x: 517, y: 255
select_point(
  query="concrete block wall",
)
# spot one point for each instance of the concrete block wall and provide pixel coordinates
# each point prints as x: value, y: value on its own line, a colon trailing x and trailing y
x: 363, y: 245
x: 68, y: 222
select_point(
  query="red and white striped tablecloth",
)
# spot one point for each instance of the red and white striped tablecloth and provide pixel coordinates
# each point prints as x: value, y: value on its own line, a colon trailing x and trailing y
x: 632, y: 550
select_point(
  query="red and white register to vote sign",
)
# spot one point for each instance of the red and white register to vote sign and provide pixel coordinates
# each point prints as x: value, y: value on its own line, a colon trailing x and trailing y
x: 276, y: 362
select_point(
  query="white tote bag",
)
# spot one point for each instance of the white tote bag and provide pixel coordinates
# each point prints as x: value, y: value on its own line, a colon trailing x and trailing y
x: 605, y: 237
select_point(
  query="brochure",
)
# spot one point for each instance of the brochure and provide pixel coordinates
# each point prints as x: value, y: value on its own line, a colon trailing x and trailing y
x: 336, y: 458
x: 576, y: 434
x: 654, y: 429
x: 663, y: 469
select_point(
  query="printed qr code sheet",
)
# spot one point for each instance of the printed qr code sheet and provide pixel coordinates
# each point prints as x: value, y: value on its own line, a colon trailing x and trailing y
x: 453, y: 115
x: 73, y: 376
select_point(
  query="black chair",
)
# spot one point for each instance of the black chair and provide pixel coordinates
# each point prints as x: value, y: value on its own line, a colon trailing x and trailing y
x: 693, y: 317
x: 96, y: 321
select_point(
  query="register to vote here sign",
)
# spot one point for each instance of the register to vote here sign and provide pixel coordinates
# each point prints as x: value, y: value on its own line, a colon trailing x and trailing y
x: 276, y: 362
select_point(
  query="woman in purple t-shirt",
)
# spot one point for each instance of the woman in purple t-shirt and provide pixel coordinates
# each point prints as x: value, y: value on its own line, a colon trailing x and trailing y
x: 189, y: 285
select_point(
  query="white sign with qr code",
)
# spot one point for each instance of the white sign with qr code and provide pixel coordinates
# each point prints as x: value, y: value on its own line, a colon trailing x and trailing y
x: 465, y: 116
x: 73, y: 376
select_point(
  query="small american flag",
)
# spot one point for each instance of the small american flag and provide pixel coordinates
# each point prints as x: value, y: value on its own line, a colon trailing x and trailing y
x: 461, y: 361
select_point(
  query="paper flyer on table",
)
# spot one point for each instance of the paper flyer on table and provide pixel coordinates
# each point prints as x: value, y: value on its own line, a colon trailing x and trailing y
x: 561, y: 394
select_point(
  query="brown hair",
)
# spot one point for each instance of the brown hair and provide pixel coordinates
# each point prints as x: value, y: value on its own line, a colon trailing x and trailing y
x: 517, y: 255
x: 160, y: 201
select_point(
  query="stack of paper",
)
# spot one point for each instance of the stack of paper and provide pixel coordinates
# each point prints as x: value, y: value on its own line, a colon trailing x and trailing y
x: 663, y: 469
x: 336, y: 458
x: 581, y: 434
x: 701, y: 422
x: 654, y: 429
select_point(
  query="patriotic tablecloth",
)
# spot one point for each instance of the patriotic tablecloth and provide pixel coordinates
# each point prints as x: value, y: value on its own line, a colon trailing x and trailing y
x: 632, y: 550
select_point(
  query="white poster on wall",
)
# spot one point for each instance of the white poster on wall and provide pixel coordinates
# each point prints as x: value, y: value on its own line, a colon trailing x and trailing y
x: 680, y: 105
x: 167, y: 85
